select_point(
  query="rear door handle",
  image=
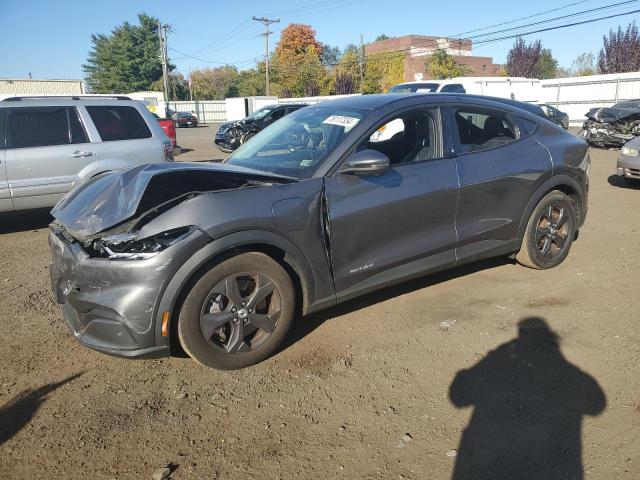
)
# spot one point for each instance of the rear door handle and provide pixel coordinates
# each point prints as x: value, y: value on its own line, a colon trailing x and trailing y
x: 80, y: 154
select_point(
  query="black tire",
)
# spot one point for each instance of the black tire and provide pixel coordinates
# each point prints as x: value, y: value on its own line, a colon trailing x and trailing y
x: 550, y: 232
x: 234, y: 338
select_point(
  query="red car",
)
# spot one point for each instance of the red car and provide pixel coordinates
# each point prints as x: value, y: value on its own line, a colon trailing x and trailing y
x: 169, y: 127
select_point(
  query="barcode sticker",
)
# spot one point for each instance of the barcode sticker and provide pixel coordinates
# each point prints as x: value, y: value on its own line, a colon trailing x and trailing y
x: 342, y: 121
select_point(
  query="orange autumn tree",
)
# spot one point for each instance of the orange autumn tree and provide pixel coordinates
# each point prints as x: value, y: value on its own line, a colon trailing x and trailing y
x: 297, y: 66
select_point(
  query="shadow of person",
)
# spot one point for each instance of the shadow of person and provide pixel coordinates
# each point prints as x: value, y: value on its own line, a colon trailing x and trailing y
x: 18, y: 411
x: 528, y: 405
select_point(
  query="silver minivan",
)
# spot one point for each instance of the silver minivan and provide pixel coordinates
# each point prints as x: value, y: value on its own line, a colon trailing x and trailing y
x: 48, y: 144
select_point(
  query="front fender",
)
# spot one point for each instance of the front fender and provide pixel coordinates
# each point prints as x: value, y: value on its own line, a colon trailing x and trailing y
x: 293, y: 256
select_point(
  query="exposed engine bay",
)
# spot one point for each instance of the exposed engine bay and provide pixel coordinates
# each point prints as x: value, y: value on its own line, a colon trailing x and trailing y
x: 612, y: 126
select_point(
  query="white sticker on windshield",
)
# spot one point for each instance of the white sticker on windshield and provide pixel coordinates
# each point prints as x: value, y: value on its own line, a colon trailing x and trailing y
x: 424, y: 90
x: 342, y: 121
x: 306, y: 163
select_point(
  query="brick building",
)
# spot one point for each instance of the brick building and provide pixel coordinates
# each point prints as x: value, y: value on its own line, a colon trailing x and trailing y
x: 418, y: 47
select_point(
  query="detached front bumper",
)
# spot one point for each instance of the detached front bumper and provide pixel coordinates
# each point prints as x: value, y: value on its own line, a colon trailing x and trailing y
x: 111, y: 305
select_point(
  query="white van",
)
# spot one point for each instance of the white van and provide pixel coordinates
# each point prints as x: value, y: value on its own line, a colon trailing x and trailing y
x: 515, y: 88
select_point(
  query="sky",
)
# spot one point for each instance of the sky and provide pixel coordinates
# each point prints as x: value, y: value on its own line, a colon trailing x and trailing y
x: 51, y: 39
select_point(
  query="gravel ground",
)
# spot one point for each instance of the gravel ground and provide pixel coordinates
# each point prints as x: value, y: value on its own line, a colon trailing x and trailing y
x: 383, y: 387
x: 197, y: 143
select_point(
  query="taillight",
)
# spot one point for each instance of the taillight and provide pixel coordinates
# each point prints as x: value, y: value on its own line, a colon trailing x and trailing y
x: 168, y: 151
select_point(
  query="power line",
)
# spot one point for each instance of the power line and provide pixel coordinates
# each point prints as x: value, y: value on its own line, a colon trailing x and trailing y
x: 211, y: 61
x: 266, y: 22
x: 521, y: 18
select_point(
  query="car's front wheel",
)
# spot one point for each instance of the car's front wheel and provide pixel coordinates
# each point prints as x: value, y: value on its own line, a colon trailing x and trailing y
x: 550, y: 232
x: 237, y: 313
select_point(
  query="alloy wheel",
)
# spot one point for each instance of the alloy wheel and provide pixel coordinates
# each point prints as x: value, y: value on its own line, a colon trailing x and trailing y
x: 552, y: 231
x: 240, y: 312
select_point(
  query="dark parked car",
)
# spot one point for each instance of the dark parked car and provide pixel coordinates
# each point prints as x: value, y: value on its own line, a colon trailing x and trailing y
x: 231, y: 135
x: 612, y: 126
x: 315, y: 210
x: 185, y: 119
x: 555, y: 115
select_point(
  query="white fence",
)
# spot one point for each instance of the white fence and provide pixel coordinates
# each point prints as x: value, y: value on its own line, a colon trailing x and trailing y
x: 574, y: 95
x: 314, y: 100
x: 206, y: 110
x: 577, y: 95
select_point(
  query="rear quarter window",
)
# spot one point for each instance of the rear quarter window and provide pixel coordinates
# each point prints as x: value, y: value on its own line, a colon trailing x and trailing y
x: 118, y: 123
x: 527, y: 127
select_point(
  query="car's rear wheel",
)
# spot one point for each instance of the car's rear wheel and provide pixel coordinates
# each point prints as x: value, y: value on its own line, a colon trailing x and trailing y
x: 550, y: 232
x: 237, y: 313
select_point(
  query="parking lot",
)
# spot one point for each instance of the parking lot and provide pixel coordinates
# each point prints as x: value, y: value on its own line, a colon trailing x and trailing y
x: 363, y: 390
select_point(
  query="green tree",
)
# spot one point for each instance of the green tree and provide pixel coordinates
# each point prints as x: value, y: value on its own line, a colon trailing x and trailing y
x: 214, y: 83
x: 547, y: 65
x: 382, y: 71
x: 127, y: 60
x: 381, y: 37
x: 441, y: 65
x: 583, y: 65
x: 178, y: 87
x: 251, y: 82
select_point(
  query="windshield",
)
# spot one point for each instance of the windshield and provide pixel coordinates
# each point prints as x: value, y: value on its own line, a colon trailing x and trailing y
x: 261, y: 113
x: 415, y: 88
x: 298, y: 144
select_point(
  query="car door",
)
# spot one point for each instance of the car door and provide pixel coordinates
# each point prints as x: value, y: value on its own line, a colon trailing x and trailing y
x: 6, y: 204
x: 46, y: 148
x: 402, y: 223
x: 499, y: 167
x: 276, y: 114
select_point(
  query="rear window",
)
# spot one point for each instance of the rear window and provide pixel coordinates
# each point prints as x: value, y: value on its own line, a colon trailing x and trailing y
x: 43, y: 126
x: 118, y: 123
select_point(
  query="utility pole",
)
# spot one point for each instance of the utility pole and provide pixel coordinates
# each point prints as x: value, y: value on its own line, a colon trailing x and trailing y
x: 266, y: 22
x: 361, y: 64
x: 162, y: 32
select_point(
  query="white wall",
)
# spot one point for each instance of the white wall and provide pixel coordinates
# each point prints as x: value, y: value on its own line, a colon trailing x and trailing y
x: 577, y: 95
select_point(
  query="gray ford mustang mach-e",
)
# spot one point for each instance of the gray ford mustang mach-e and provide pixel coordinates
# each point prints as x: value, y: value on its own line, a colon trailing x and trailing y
x: 331, y: 202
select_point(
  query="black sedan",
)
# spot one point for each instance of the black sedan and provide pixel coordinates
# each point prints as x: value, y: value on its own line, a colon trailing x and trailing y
x: 331, y: 202
x: 555, y: 115
x: 231, y: 135
x: 185, y: 119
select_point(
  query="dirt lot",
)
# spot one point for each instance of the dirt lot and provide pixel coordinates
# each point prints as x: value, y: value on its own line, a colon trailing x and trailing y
x: 197, y: 143
x: 360, y: 391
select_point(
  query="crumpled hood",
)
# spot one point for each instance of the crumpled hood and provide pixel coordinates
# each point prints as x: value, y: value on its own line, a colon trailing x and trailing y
x: 110, y: 199
x: 611, y: 114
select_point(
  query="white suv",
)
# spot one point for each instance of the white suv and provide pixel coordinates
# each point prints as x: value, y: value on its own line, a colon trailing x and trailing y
x: 47, y: 144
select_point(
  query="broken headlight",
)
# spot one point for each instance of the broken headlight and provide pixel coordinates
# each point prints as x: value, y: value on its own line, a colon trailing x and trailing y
x: 629, y: 152
x: 127, y: 246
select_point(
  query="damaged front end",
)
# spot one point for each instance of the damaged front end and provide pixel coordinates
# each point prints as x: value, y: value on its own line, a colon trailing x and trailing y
x: 113, y: 252
x: 612, y: 126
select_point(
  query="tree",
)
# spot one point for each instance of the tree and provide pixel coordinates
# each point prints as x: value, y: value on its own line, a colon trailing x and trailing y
x: 178, y: 87
x: 127, y: 60
x: 621, y: 51
x: 297, y: 64
x: 382, y: 71
x: 295, y: 39
x: 547, y: 65
x: 250, y: 83
x: 441, y: 65
x: 330, y: 55
x: 214, y: 83
x: 583, y: 65
x: 381, y: 37
x: 522, y: 59
x: 344, y: 84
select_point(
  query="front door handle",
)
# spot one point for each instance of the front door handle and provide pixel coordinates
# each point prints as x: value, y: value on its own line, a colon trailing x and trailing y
x: 80, y: 154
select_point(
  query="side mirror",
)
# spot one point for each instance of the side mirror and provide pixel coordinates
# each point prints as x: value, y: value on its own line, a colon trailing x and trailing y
x: 367, y: 163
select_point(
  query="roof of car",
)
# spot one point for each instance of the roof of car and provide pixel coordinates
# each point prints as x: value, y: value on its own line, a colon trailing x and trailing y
x: 58, y: 100
x: 376, y: 101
